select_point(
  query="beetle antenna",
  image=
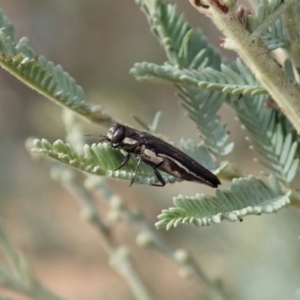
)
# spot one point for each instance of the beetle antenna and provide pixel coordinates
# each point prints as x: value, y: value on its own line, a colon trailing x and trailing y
x: 97, y: 136
x: 94, y: 135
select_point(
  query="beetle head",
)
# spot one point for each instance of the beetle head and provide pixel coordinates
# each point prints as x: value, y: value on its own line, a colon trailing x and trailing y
x: 116, y: 134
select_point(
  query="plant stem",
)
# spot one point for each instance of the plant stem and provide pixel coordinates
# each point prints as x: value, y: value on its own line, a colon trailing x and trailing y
x: 119, y: 258
x: 214, y: 291
x: 20, y: 278
x: 121, y: 262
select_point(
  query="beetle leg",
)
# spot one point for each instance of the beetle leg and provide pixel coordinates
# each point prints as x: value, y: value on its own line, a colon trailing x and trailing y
x: 124, y: 162
x: 135, y: 171
x: 159, y: 178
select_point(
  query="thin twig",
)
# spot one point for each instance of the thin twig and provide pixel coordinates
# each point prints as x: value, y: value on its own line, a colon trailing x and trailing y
x: 19, y: 277
x: 118, y: 256
x: 214, y: 291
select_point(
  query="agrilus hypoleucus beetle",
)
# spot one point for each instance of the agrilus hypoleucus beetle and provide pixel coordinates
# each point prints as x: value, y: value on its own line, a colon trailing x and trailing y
x: 159, y: 155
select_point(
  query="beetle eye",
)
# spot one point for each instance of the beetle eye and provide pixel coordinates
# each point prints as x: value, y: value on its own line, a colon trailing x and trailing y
x: 118, y: 135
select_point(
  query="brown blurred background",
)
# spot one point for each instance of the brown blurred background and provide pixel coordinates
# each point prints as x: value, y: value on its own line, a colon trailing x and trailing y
x: 97, y: 42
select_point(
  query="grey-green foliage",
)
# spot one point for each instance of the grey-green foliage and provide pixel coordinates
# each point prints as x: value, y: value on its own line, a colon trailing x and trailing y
x: 202, y: 107
x: 203, y: 85
x: 17, y: 275
x: 247, y: 196
x: 7, y: 26
x: 288, y: 67
x: 270, y: 137
x: 98, y: 159
x: 225, y: 81
x: 192, y: 62
x: 199, y: 153
x: 42, y: 75
x: 101, y: 159
x: 264, y: 9
x: 276, y: 35
x: 184, y: 46
x: 204, y: 82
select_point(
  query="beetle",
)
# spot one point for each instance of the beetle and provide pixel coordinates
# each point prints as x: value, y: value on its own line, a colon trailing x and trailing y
x: 158, y: 154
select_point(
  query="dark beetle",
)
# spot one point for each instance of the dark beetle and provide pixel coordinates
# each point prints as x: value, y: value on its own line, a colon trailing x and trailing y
x: 159, y: 155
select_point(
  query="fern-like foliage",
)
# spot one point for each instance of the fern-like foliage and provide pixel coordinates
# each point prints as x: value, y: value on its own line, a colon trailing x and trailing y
x: 43, y: 76
x: 290, y: 72
x: 6, y: 26
x: 269, y: 137
x: 276, y: 36
x: 188, y: 52
x: 197, y: 151
x: 184, y: 46
x: 204, y: 87
x: 101, y: 159
x: 204, y: 82
x: 247, y: 196
x: 200, y: 154
x: 264, y: 10
x: 225, y: 81
x: 98, y: 159
x: 198, y: 72
x: 202, y: 107
x: 17, y: 274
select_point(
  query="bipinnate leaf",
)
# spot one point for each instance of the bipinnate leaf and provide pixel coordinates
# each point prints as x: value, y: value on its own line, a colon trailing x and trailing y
x: 98, y: 159
x: 247, y: 196
x: 275, y: 35
x: 202, y: 108
x: 225, y: 81
x: 43, y: 76
x: 183, y: 45
x: 195, y: 68
x: 263, y: 11
x: 270, y: 136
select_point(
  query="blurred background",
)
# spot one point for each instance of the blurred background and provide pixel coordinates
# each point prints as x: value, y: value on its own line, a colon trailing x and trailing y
x: 97, y: 42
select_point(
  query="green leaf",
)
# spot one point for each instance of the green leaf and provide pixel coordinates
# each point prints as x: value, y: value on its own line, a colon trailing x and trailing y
x: 184, y: 46
x: 7, y: 26
x: 263, y: 11
x: 199, y: 153
x: 98, y: 159
x: 247, y: 196
x: 43, y: 76
x: 193, y: 65
x: 202, y: 108
x: 269, y: 137
x: 288, y: 67
x: 276, y: 36
x: 226, y: 81
x: 155, y: 122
